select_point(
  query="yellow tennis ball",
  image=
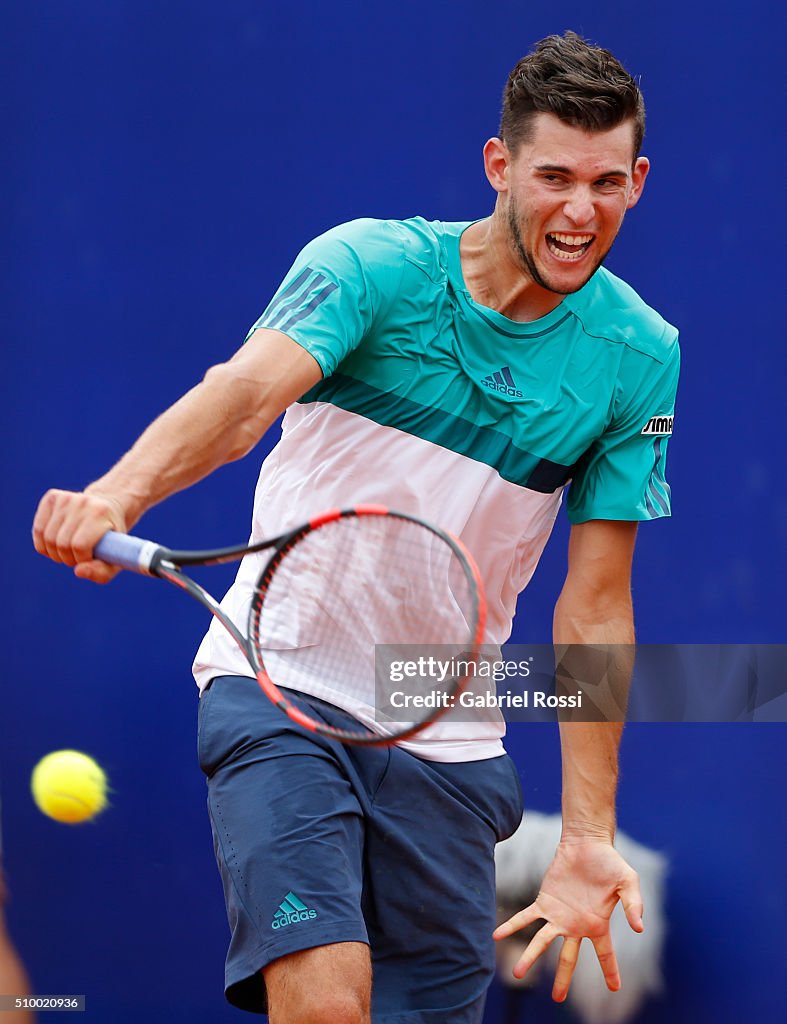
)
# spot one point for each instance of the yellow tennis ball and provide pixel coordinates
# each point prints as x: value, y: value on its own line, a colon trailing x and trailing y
x: 69, y: 786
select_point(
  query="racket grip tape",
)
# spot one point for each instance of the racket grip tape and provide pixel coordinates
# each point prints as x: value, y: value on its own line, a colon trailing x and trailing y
x: 128, y: 552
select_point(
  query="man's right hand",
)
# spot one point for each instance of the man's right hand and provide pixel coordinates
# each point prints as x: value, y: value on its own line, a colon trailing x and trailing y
x: 69, y: 524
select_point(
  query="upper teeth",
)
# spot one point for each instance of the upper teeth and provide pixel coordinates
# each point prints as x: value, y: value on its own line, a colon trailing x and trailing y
x: 572, y: 239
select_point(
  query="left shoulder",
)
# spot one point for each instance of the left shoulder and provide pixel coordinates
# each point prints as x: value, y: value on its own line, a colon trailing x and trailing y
x: 610, y: 309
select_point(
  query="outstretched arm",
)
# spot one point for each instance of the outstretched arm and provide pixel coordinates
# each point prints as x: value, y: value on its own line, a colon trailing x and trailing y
x: 219, y: 420
x: 588, y: 876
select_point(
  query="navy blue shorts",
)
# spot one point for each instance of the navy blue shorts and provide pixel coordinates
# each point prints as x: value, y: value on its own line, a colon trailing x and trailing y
x: 318, y: 843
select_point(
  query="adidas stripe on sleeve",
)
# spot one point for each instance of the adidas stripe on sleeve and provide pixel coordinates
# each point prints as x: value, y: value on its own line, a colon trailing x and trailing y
x: 336, y: 287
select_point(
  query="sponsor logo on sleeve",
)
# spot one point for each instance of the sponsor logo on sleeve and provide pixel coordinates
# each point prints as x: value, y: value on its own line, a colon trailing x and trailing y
x: 659, y: 426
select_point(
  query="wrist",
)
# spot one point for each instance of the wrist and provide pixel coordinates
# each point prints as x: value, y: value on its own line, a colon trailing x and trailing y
x: 576, y: 831
x: 122, y: 507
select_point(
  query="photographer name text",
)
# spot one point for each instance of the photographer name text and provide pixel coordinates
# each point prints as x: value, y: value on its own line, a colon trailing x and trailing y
x: 441, y: 699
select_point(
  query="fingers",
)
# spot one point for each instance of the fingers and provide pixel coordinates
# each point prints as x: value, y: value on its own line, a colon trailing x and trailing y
x: 567, y: 962
x: 47, y: 522
x: 68, y: 525
x: 537, y: 946
x: 566, y: 965
x: 577, y: 897
x: 608, y: 961
x: 520, y: 920
x: 631, y: 898
x: 95, y: 571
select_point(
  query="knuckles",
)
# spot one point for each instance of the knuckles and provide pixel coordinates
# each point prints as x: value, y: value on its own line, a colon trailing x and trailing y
x: 68, y: 523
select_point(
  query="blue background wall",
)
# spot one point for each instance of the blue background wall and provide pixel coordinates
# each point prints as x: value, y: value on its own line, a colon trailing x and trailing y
x: 163, y: 163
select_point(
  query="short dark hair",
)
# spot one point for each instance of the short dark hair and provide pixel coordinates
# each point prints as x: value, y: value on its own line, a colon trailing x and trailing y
x: 583, y: 85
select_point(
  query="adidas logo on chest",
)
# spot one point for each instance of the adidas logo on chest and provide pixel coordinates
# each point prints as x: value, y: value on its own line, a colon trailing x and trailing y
x: 502, y: 382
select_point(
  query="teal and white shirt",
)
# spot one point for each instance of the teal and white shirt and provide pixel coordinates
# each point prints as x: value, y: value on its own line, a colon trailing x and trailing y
x: 436, y: 405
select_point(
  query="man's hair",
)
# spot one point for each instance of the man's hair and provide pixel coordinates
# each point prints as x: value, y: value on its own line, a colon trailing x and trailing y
x: 583, y: 85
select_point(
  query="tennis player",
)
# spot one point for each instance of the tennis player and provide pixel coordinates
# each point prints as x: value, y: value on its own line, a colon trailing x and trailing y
x: 466, y: 373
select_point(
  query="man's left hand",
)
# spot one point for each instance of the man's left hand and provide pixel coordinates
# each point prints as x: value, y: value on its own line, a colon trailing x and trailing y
x: 578, y: 894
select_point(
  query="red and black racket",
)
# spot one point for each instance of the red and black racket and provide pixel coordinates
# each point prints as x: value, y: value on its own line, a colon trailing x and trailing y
x: 330, y: 593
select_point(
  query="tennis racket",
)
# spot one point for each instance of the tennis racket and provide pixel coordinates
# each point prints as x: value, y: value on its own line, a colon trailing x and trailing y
x: 332, y: 590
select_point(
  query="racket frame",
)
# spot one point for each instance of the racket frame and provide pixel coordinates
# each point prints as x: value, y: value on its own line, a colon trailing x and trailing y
x: 167, y: 564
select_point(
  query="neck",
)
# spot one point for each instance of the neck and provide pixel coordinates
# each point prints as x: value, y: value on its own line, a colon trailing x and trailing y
x: 495, y: 276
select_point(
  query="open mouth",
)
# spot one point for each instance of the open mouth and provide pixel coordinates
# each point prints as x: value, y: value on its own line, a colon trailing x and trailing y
x: 568, y: 247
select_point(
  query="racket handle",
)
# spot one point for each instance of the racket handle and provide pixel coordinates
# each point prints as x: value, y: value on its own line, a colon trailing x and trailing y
x: 128, y: 552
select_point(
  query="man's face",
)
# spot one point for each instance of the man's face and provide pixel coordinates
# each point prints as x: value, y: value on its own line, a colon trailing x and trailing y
x: 566, y: 193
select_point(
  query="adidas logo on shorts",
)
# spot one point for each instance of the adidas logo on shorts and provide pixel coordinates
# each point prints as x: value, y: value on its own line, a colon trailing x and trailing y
x: 291, y: 911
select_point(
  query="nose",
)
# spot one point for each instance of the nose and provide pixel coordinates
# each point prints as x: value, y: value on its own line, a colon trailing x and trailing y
x: 579, y: 207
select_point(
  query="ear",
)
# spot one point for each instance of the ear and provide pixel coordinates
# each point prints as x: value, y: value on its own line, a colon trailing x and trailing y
x: 638, y: 175
x: 496, y: 163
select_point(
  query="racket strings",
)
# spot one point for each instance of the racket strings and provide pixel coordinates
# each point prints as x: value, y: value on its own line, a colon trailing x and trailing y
x: 339, y: 591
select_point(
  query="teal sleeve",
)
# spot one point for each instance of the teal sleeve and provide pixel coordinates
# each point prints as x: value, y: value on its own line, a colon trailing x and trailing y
x: 337, y: 286
x: 622, y: 475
